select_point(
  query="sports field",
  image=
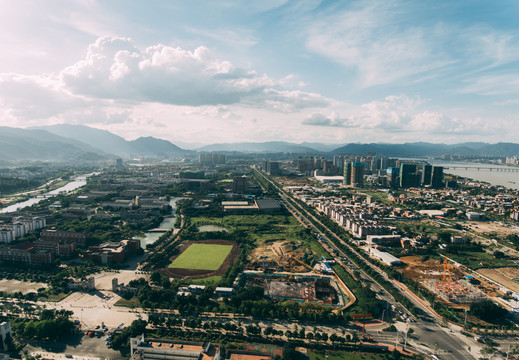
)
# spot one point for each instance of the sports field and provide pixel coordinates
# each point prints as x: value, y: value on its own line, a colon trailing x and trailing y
x: 202, y: 257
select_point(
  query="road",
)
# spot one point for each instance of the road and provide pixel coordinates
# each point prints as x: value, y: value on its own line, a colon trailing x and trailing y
x: 445, y: 345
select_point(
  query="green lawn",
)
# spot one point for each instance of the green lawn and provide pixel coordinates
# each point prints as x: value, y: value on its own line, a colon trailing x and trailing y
x: 54, y: 298
x: 261, y: 227
x: 210, y: 281
x: 476, y: 259
x: 133, y: 302
x: 202, y: 257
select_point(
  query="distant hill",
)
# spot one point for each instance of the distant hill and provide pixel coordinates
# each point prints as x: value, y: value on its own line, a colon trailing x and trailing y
x: 428, y: 149
x: 82, y: 143
x: 259, y: 147
x: 100, y: 139
x: 114, y: 144
x: 152, y: 146
x: 33, y: 144
x: 403, y: 150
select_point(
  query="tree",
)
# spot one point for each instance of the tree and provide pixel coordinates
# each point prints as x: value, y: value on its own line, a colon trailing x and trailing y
x: 155, y: 277
x: 289, y: 351
x: 499, y: 254
x: 487, y: 310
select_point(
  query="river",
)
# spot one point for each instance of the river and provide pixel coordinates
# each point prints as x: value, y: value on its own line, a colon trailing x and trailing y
x: 167, y: 223
x: 78, y: 181
x: 509, y: 179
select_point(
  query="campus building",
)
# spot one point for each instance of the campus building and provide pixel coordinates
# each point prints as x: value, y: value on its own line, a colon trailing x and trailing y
x: 165, y: 349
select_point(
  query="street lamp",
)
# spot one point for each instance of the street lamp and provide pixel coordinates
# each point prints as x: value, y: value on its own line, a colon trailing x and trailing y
x: 406, y: 331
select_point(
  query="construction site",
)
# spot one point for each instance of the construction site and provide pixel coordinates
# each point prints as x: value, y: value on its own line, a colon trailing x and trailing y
x: 444, y: 280
x: 284, y: 255
x: 287, y: 270
x: 455, y: 291
x: 302, y: 288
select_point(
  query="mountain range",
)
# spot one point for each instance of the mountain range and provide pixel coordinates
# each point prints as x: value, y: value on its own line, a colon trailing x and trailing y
x: 81, y: 143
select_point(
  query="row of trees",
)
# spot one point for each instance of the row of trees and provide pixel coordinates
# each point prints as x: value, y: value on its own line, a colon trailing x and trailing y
x: 52, y: 325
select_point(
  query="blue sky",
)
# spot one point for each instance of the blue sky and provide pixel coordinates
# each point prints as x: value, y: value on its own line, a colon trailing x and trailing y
x: 230, y: 71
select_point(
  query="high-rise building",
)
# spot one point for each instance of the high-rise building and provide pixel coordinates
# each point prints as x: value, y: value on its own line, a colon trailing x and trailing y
x: 357, y: 174
x: 408, y: 176
x: 273, y: 168
x: 392, y: 177
x: 426, y: 175
x: 384, y: 163
x: 347, y: 173
x: 211, y: 158
x: 240, y: 185
x: 328, y: 168
x: 338, y: 161
x: 318, y: 163
x: 437, y: 177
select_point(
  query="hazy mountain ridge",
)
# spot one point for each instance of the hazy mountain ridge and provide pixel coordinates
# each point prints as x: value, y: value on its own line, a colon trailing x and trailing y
x: 259, y: 147
x: 33, y: 144
x: 78, y: 142
x: 428, y: 149
x: 116, y: 145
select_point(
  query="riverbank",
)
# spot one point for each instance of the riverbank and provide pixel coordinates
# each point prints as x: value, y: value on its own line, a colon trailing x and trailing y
x: 66, y: 187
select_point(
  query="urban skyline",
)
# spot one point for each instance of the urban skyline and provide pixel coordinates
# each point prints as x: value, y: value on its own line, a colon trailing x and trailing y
x: 331, y: 72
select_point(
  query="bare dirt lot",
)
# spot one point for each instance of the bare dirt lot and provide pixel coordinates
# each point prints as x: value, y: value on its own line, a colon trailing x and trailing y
x: 12, y: 286
x: 200, y: 274
x: 504, y: 276
x: 430, y: 269
x: 295, y: 181
x: 491, y: 227
x: 278, y: 252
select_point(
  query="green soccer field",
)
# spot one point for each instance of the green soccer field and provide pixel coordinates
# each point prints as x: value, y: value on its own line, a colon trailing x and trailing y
x: 202, y: 257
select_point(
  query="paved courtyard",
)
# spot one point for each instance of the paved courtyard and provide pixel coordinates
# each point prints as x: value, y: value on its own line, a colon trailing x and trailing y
x: 93, y: 308
x: 104, y: 279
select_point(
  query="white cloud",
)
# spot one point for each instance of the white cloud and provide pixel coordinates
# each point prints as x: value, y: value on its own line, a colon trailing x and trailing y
x: 370, y: 40
x: 116, y: 77
x: 116, y: 69
x: 319, y: 119
x: 35, y: 97
x: 382, y: 41
x: 493, y: 85
x: 397, y: 114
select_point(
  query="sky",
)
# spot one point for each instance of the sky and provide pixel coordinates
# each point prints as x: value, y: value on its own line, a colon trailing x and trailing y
x: 205, y: 72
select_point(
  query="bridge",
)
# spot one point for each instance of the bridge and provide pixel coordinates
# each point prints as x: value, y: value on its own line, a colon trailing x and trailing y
x: 483, y: 168
x: 45, y: 196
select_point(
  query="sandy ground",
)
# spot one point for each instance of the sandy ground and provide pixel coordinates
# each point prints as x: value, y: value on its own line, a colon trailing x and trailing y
x: 12, y: 286
x: 503, y: 276
x: 104, y: 279
x: 93, y: 308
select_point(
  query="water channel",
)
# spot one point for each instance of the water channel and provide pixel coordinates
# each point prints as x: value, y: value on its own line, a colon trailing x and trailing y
x: 167, y: 223
x: 78, y: 181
